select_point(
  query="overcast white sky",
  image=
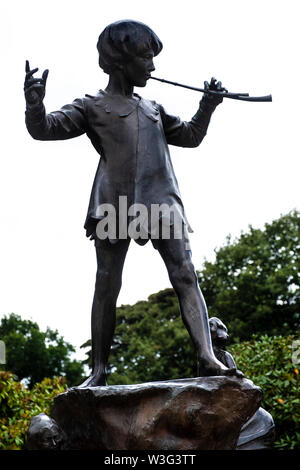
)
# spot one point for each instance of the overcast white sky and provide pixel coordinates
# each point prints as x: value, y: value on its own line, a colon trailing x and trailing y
x: 246, y: 171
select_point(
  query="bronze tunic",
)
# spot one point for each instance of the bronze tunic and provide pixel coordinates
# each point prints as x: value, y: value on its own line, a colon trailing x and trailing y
x: 131, y: 136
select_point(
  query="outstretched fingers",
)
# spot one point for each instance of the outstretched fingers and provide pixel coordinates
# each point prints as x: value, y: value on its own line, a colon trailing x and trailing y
x: 34, y: 88
x: 45, y: 76
x: 29, y: 72
x: 29, y: 80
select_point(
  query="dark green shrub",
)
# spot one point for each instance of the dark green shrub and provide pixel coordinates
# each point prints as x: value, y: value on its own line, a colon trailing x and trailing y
x: 267, y: 361
x: 19, y: 404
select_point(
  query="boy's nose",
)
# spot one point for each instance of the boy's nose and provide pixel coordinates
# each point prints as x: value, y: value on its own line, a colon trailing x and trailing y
x: 151, y: 68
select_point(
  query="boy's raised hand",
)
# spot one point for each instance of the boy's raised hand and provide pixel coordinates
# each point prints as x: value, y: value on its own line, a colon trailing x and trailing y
x: 34, y: 88
x: 214, y: 85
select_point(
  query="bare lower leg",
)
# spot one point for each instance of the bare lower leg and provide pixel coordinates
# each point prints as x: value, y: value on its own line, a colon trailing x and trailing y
x: 195, y: 318
x: 103, y: 326
x: 108, y: 284
x: 192, y: 304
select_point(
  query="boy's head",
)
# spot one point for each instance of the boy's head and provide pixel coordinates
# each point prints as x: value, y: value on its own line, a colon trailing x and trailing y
x: 122, y: 41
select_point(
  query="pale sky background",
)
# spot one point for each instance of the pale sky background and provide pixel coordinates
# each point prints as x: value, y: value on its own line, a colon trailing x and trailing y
x: 246, y: 171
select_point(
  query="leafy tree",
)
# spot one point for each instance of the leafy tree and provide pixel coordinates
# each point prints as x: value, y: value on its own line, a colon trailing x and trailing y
x: 253, y: 284
x: 33, y: 355
x: 151, y: 342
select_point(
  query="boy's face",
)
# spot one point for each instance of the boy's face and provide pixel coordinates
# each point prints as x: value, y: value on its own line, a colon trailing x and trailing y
x: 139, y: 69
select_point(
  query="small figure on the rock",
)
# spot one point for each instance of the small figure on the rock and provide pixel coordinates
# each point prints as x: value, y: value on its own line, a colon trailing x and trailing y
x: 43, y: 434
x: 219, y: 337
x: 259, y: 431
x: 132, y: 134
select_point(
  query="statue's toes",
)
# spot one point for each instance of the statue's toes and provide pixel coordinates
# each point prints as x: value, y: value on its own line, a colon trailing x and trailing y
x: 234, y: 372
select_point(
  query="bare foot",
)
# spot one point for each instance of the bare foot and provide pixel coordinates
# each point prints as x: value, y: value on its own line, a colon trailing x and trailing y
x: 211, y: 367
x: 94, y: 381
x: 234, y: 371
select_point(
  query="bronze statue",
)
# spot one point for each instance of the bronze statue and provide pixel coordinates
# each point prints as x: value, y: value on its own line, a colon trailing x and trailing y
x: 132, y: 135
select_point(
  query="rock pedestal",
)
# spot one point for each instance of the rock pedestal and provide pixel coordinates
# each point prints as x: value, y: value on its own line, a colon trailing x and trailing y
x: 204, y: 413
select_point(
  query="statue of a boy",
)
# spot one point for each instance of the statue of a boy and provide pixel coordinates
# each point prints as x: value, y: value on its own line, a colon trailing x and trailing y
x: 131, y: 135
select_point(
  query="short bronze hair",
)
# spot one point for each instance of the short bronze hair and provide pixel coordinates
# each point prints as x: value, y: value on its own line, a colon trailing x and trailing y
x: 123, y: 40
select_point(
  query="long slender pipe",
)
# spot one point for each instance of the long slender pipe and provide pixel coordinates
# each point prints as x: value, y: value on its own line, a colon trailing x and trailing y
x: 233, y: 96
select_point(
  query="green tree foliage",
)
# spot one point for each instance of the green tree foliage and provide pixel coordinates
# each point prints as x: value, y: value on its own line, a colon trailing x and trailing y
x: 267, y: 361
x: 33, y: 355
x: 151, y: 342
x: 253, y: 284
x: 18, y: 405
